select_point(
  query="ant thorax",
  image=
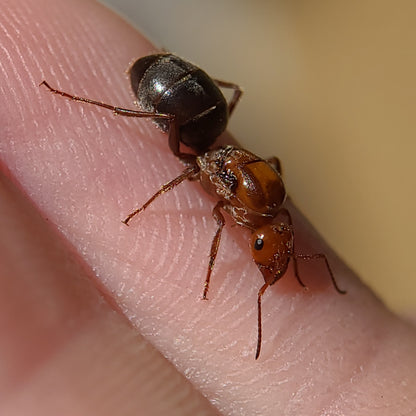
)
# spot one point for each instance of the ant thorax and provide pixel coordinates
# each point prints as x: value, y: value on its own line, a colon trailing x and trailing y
x: 252, y: 190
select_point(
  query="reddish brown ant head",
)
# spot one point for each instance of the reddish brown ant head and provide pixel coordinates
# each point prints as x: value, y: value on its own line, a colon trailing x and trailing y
x: 271, y: 248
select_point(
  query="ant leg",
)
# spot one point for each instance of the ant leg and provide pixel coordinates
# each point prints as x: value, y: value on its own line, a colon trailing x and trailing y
x: 275, y: 163
x: 284, y: 211
x: 296, y: 269
x: 219, y: 218
x: 259, y: 296
x: 174, y: 143
x: 116, y: 110
x: 236, y: 95
x: 322, y: 256
x: 173, y: 129
x: 188, y: 173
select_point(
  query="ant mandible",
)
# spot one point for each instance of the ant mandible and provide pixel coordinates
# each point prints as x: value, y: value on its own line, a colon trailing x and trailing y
x: 185, y: 102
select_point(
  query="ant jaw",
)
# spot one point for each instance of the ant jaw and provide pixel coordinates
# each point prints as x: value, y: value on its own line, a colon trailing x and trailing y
x: 266, y: 273
x: 271, y: 274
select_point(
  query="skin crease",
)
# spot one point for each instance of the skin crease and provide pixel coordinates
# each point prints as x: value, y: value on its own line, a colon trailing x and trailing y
x: 71, y: 272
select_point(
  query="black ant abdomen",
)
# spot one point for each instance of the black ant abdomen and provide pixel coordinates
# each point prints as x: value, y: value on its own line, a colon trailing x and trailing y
x: 167, y: 84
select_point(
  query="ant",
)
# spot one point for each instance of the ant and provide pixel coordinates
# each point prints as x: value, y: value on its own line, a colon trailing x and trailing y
x: 185, y: 102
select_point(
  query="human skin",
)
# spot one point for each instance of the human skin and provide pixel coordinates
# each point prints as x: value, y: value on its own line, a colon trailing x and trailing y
x: 94, y: 313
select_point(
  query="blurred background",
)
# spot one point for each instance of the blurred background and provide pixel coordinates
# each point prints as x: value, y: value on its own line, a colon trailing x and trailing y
x: 329, y: 89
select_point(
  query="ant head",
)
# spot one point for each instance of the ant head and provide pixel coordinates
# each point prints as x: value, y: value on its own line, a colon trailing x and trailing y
x: 271, y: 247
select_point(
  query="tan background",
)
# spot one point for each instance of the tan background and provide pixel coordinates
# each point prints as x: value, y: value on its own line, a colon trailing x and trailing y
x: 329, y: 89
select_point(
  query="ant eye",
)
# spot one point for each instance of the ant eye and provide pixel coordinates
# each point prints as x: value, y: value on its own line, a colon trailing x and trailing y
x: 265, y: 245
x: 258, y: 244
